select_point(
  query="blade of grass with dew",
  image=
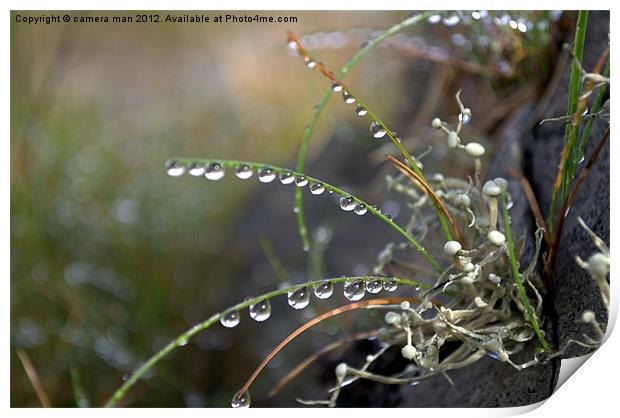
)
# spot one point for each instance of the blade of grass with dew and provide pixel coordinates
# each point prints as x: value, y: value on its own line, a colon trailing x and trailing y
x: 293, y: 39
x: 561, y: 185
x: 303, y: 148
x: 233, y: 164
x: 182, y: 339
x: 517, y: 277
x: 596, y: 107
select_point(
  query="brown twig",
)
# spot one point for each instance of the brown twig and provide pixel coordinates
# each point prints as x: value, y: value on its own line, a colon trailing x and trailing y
x: 31, y: 372
x: 310, y: 324
x: 553, y: 252
x: 533, y: 202
x: 426, y: 188
x: 314, y: 356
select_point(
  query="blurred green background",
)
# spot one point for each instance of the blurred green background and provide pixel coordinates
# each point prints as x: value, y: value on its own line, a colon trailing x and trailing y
x: 111, y: 258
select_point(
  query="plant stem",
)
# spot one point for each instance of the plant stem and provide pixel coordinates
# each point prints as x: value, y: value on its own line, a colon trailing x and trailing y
x: 517, y: 276
x: 232, y: 164
x: 182, y: 339
x: 303, y: 149
x: 570, y: 133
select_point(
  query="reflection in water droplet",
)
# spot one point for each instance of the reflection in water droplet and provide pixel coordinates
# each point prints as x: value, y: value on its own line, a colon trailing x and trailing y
x: 360, y: 209
x: 174, y: 168
x: 266, y: 175
x: 196, y: 169
x: 465, y: 118
x: 390, y: 285
x: 261, y: 311
x: 451, y: 20
x: 336, y: 87
x: 354, y: 290
x: 230, y: 319
x: 301, y: 181
x: 241, y: 400
x: 181, y: 341
x: 347, y: 203
x: 309, y: 63
x: 396, y: 136
x: 286, y: 178
x: 374, y: 286
x: 243, y: 171
x: 324, y: 290
x: 317, y: 188
x: 434, y: 19
x: 376, y: 130
x: 348, y: 99
x: 299, y: 298
x: 214, y: 171
x: 361, y: 111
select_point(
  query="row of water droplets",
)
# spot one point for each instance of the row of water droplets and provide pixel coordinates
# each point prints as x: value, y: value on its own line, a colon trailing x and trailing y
x: 215, y: 171
x: 376, y: 130
x: 299, y: 298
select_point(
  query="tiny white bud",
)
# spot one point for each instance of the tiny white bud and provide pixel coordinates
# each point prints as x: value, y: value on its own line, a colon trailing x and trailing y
x: 598, y: 265
x: 392, y: 318
x: 474, y: 149
x: 496, y: 238
x: 462, y: 200
x: 588, y: 316
x: 503, y: 356
x: 502, y: 183
x: 479, y: 302
x: 468, y: 267
x: 436, y: 123
x: 438, y: 177
x: 467, y: 111
x: 452, y: 247
x: 468, y: 279
x: 453, y: 139
x: 369, y: 358
x: 494, y: 278
x: 408, y: 352
x: 341, y: 371
x: 405, y: 305
x: 491, y: 189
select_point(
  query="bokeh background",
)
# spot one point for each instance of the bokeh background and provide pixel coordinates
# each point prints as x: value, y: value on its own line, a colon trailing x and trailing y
x: 111, y: 258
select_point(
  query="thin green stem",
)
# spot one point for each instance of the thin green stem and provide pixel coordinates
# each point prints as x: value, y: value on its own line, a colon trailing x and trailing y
x: 184, y: 338
x: 517, y: 276
x: 571, y: 131
x: 596, y: 106
x: 303, y: 149
x: 257, y: 167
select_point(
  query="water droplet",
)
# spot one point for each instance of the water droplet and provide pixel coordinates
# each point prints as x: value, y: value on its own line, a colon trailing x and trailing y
x: 196, y: 169
x: 125, y: 377
x: 317, y: 188
x: 324, y: 290
x: 451, y: 20
x: 266, y: 175
x: 299, y: 298
x: 174, y: 168
x: 464, y: 118
x: 286, y: 178
x: 390, y: 285
x: 243, y: 171
x: 360, y: 209
x: 376, y: 130
x: 182, y: 341
x: 374, y: 286
x: 241, y: 400
x: 361, y: 111
x: 336, y: 87
x: 396, y: 136
x: 347, y: 203
x: 354, y: 290
x: 434, y: 19
x: 348, y: 99
x: 292, y: 45
x: 214, y: 171
x: 230, y: 319
x: 301, y: 181
x: 309, y: 62
x: 261, y: 311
